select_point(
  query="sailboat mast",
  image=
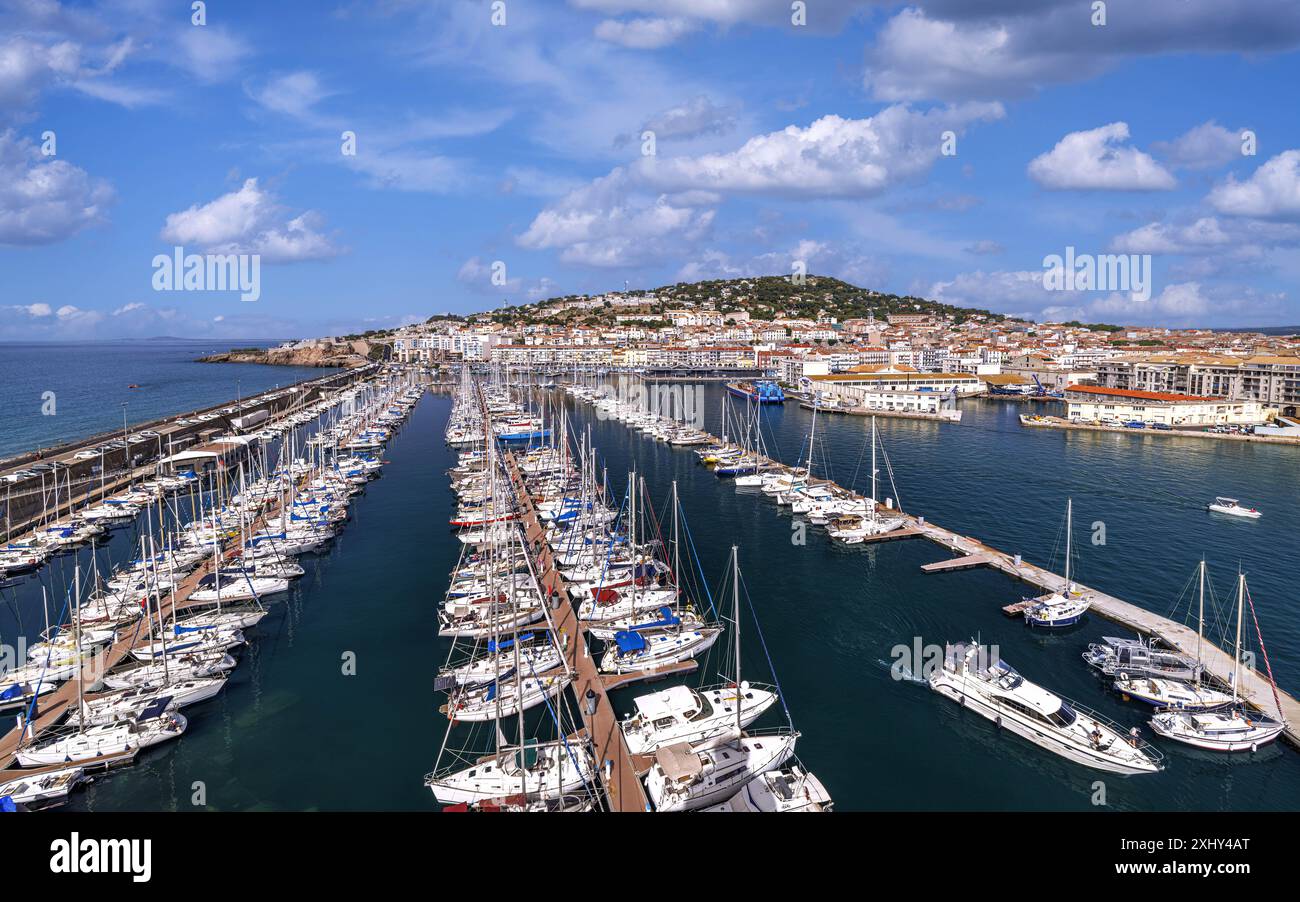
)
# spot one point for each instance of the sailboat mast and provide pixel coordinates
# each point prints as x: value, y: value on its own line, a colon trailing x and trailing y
x: 735, y: 600
x: 1200, y: 620
x: 1069, y: 529
x: 1236, y: 663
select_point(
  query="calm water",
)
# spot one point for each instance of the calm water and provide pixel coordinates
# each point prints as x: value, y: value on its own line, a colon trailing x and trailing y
x: 90, y: 383
x: 291, y: 732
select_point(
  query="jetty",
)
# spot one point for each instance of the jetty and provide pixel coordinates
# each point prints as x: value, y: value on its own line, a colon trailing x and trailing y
x: 1256, y: 690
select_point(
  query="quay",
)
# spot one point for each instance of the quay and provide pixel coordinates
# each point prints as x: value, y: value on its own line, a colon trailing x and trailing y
x: 1051, y: 422
x: 30, y: 502
x: 618, y: 772
x: 945, y: 416
x: 1256, y: 690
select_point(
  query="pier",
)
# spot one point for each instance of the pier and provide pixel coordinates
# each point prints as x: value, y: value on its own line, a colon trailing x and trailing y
x: 623, y: 788
x: 971, y: 552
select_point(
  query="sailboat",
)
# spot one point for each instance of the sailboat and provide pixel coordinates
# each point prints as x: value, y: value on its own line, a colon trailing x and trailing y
x: 1168, y: 693
x: 1056, y: 609
x: 852, y: 528
x: 1235, y: 728
x: 686, y: 777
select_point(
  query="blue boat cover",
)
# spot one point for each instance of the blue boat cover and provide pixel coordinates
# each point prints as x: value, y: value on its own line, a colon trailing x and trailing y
x: 7, y: 803
x: 629, y: 641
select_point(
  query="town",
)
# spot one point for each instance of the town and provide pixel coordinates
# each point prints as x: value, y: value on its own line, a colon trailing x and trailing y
x: 824, y: 340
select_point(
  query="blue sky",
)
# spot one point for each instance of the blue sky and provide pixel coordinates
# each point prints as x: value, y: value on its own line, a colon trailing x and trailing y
x: 520, y: 143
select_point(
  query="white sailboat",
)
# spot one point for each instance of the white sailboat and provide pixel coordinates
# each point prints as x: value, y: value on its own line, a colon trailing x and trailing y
x: 1235, y: 728
x: 1060, y: 609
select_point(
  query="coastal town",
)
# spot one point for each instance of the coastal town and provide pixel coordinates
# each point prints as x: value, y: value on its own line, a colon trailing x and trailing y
x: 824, y: 341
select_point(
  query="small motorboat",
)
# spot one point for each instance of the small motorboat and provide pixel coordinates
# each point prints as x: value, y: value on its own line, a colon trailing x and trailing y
x: 1232, y: 507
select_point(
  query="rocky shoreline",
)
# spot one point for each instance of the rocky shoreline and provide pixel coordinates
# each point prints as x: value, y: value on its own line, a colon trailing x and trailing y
x: 348, y: 355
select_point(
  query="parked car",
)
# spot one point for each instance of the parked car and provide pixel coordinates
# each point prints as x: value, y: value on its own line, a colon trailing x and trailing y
x: 87, y: 454
x: 1162, y: 426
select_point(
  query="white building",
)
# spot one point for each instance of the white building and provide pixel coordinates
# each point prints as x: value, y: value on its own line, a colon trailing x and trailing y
x: 1093, y: 403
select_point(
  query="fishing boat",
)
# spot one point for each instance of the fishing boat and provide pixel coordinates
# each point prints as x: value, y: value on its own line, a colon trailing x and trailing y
x: 1060, y: 609
x: 1235, y: 728
x: 996, y: 692
x: 1233, y: 508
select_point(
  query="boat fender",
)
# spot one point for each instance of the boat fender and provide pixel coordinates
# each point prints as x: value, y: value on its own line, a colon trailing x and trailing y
x: 961, y: 700
x: 998, y: 720
x: 1254, y: 746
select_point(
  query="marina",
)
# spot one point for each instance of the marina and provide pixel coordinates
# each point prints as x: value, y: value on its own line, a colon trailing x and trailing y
x: 971, y: 553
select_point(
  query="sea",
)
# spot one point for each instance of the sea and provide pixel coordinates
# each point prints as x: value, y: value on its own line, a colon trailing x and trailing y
x: 296, y: 729
x: 57, y: 391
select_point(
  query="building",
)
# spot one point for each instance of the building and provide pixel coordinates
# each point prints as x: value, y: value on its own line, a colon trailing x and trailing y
x: 1094, y: 403
x: 1273, y: 380
x: 905, y: 379
x: 866, y: 396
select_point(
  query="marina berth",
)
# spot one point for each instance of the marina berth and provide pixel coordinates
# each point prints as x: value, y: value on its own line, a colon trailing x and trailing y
x: 548, y: 610
x: 160, y: 628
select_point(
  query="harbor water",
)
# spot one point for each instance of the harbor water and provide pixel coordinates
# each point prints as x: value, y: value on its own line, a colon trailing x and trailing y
x: 91, y: 380
x: 293, y: 731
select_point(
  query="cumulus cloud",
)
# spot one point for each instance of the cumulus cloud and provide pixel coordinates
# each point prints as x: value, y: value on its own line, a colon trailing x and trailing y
x: 250, y: 221
x: 965, y: 49
x: 610, y: 222
x: 1164, y: 238
x: 1098, y: 159
x: 832, y: 157
x: 1271, y: 192
x: 643, y: 34
x: 44, y: 200
x: 1206, y: 146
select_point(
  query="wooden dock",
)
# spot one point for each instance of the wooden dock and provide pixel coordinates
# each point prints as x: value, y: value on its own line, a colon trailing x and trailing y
x: 965, y: 562
x: 623, y: 788
x: 1256, y: 689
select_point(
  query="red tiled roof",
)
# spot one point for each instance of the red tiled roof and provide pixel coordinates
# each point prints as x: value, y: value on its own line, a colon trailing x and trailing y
x: 1137, y: 394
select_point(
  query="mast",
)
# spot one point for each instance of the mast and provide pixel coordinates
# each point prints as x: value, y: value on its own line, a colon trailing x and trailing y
x: 1236, y: 662
x: 1069, y: 523
x: 1200, y: 620
x: 874, y: 502
x: 735, y: 597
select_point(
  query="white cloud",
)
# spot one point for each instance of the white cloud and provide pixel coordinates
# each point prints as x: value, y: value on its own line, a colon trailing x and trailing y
x: 1206, y: 146
x: 1271, y: 192
x: 611, y: 223
x: 293, y: 94
x: 1098, y: 160
x: 916, y: 57
x: 210, y: 53
x: 643, y: 34
x: 250, y: 221
x: 963, y: 49
x: 1164, y: 238
x: 696, y: 117
x: 822, y: 258
x: 43, y: 200
x: 832, y: 157
x: 476, y: 274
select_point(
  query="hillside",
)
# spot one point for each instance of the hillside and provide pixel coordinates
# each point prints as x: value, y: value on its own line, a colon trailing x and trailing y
x: 762, y: 297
